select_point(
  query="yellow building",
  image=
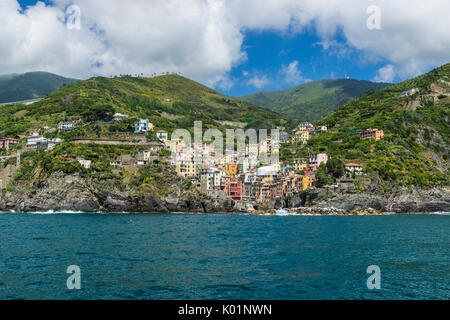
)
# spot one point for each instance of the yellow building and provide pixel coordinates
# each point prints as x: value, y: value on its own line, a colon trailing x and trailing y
x: 186, y: 168
x: 301, y: 136
x: 305, y: 182
x: 232, y: 169
x: 300, y: 164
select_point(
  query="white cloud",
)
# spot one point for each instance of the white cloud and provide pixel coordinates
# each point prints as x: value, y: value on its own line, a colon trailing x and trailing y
x: 258, y: 82
x: 385, y: 74
x: 203, y: 39
x: 291, y: 73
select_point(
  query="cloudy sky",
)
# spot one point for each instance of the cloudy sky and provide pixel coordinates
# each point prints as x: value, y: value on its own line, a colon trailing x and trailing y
x: 234, y: 46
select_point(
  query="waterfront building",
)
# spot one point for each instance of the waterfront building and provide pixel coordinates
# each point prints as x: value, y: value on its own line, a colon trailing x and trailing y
x: 305, y: 182
x: 234, y: 188
x: 186, y: 168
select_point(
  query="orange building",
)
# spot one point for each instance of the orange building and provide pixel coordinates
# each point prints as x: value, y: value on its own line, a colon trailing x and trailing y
x: 305, y: 182
x: 371, y: 134
x: 232, y: 169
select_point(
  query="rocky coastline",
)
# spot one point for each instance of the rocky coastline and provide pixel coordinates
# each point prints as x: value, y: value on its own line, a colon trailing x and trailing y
x: 62, y: 193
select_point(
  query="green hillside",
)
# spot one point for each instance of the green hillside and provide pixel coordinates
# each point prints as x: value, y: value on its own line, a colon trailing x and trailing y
x: 311, y: 101
x: 27, y: 86
x: 415, y: 147
x: 169, y: 102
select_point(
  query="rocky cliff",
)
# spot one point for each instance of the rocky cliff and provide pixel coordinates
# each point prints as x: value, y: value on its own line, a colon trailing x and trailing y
x: 72, y: 192
x: 62, y: 192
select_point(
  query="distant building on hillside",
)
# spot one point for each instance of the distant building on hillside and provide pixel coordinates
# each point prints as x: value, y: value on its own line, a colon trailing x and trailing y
x: 305, y: 126
x: 318, y: 158
x: 408, y: 93
x: 162, y: 135
x: 65, y: 125
x: 34, y: 139
x: 353, y: 167
x: 85, y: 163
x: 7, y: 143
x: 142, y: 126
x: 299, y: 164
x: 119, y: 117
x: 321, y: 129
x: 284, y: 137
x: 371, y: 134
x: 300, y: 136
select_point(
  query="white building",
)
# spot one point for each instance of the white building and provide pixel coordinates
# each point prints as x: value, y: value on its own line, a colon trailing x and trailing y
x: 65, y: 125
x: 34, y: 139
x: 322, y: 129
x: 211, y: 178
x: 142, y: 126
x: 267, y: 171
x: 353, y: 167
x: 119, y: 116
x: 408, y: 93
x: 305, y: 126
x: 85, y: 163
x: 162, y: 135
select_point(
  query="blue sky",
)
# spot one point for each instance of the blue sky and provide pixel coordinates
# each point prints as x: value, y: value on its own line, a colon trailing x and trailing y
x: 269, y: 51
x: 236, y: 47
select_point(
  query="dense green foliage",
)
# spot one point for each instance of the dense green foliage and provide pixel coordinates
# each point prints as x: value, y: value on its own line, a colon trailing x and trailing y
x: 32, y: 85
x: 312, y: 100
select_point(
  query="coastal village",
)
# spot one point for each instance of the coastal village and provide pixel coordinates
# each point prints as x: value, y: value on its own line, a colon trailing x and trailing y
x: 239, y: 176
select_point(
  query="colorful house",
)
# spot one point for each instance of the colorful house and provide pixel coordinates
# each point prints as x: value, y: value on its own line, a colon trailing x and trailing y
x: 234, y: 188
x: 299, y: 164
x: 232, y: 169
x: 317, y: 158
x: 305, y: 182
x: 7, y: 143
x: 371, y: 134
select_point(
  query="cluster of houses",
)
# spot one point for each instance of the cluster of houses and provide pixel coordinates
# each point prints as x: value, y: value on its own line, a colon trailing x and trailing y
x: 240, y: 175
x: 306, y: 131
x: 34, y: 141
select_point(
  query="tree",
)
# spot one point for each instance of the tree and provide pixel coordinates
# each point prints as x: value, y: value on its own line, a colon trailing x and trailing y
x: 99, y: 112
x: 335, y: 167
x: 322, y: 178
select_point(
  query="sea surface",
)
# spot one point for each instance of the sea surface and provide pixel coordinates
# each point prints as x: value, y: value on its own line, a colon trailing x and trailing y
x: 219, y: 256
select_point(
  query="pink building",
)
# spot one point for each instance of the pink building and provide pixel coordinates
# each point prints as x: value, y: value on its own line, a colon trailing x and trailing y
x: 7, y: 142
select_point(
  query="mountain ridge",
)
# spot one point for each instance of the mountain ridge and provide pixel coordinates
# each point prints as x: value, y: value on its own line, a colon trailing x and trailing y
x: 31, y: 85
x: 313, y: 100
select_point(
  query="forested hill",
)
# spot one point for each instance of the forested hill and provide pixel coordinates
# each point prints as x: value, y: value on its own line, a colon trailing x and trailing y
x: 31, y: 85
x: 169, y: 102
x: 313, y: 100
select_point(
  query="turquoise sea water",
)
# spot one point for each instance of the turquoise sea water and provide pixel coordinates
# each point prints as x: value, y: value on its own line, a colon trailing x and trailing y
x: 179, y: 256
